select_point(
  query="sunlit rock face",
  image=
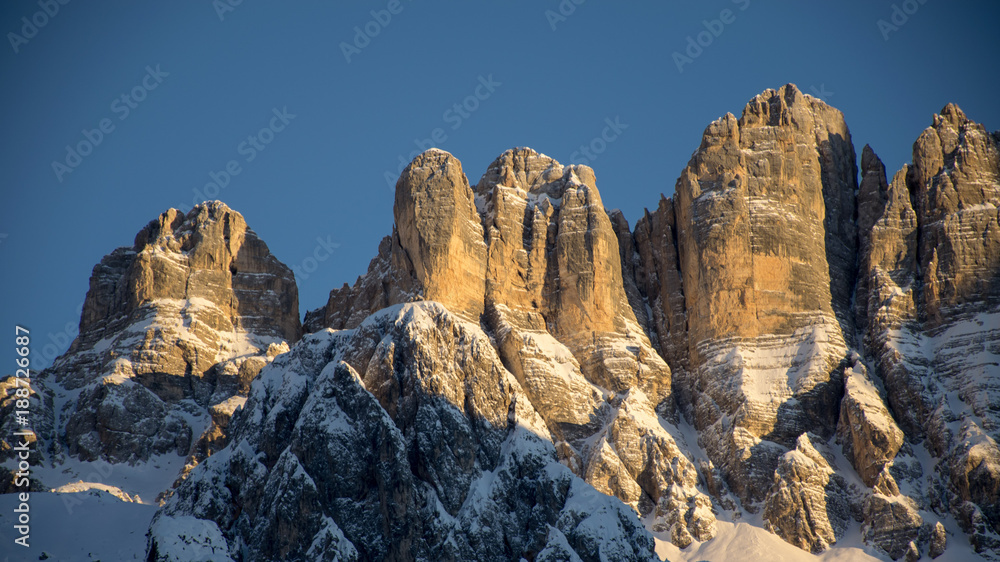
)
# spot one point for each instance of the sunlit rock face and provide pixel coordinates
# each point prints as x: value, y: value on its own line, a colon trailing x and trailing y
x: 531, y: 254
x: 929, y: 302
x: 172, y: 331
x: 748, y: 271
x: 788, y: 299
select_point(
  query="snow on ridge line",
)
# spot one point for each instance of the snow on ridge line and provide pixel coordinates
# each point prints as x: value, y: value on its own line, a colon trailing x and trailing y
x: 81, y: 486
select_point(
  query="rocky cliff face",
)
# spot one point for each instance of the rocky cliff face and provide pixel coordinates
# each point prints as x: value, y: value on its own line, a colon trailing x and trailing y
x: 521, y: 375
x: 173, y: 330
x: 928, y: 300
x: 531, y: 254
x: 749, y: 272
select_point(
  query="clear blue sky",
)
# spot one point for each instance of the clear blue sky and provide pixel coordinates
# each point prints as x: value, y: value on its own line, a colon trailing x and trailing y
x: 553, y: 81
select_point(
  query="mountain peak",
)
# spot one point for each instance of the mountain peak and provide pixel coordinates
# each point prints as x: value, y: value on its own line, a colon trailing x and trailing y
x: 953, y: 114
x: 774, y: 339
x: 189, y: 313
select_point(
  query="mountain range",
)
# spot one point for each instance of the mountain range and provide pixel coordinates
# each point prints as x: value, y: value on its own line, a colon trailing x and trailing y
x: 791, y: 346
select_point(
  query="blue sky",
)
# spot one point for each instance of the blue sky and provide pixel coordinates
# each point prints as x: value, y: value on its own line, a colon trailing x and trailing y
x: 344, y: 90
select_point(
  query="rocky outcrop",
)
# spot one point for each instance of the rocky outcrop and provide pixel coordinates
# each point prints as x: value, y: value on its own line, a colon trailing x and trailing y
x: 555, y: 282
x: 553, y: 296
x: 748, y: 272
x: 807, y: 504
x: 402, y: 439
x: 440, y: 234
x: 956, y: 182
x: 436, y: 250
x: 867, y: 431
x: 929, y: 300
x: 893, y: 525
x: 172, y: 328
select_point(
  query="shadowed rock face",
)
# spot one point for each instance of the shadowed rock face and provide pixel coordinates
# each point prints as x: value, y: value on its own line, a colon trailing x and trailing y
x: 929, y: 302
x: 402, y: 439
x: 807, y: 503
x: 172, y: 327
x: 531, y: 254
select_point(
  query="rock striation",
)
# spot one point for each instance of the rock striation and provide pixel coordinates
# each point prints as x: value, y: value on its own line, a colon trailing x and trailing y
x: 522, y: 376
x: 748, y: 274
x: 532, y: 255
x: 929, y: 302
x: 173, y: 330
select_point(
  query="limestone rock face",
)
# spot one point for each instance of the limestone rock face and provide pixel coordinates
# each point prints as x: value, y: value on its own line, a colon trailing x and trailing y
x: 402, y: 439
x: 928, y: 301
x: 554, y: 275
x: 749, y: 275
x: 172, y: 328
x: 956, y: 182
x: 939, y: 540
x: 807, y: 504
x: 749, y: 271
x: 867, y: 431
x: 439, y: 233
x: 553, y: 296
x: 892, y: 524
x: 554, y: 266
x: 436, y: 250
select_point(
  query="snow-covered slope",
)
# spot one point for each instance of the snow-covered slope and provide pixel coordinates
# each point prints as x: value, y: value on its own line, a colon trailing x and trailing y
x: 405, y: 438
x: 77, y: 526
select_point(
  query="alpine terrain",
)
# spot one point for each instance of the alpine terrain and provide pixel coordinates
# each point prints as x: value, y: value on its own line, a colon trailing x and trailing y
x: 796, y: 356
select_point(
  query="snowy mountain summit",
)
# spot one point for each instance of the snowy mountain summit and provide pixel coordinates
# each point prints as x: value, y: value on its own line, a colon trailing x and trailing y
x: 780, y: 353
